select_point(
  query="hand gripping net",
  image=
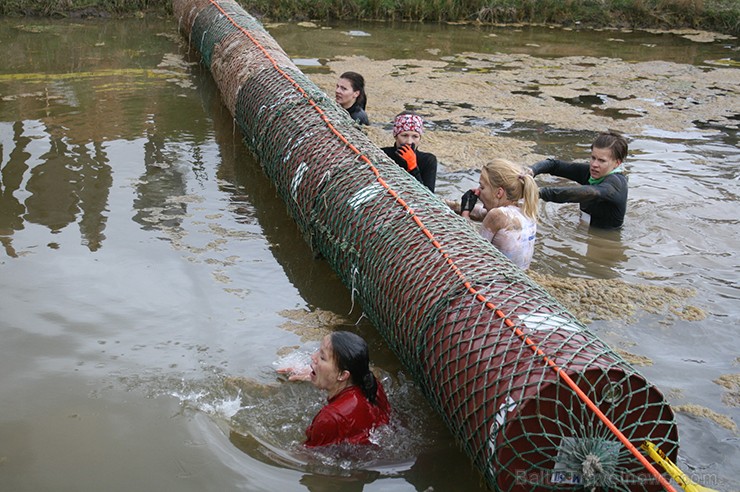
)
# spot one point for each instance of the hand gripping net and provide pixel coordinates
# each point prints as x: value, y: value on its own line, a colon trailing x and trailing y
x: 506, y: 366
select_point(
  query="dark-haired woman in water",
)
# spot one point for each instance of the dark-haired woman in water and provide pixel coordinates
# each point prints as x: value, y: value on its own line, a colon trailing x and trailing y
x: 357, y: 402
x: 350, y: 94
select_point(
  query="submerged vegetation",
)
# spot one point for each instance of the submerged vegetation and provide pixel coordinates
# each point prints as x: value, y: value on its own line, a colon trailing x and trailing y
x: 713, y: 15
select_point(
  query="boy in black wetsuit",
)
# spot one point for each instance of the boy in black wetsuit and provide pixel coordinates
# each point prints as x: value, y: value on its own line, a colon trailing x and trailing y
x: 603, y: 196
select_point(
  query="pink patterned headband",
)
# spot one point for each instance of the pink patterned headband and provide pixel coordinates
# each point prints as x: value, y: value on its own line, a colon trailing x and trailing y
x: 408, y: 122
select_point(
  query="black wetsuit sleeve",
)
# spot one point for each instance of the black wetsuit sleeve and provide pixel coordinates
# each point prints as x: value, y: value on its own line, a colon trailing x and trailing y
x: 608, y: 190
x: 416, y: 173
x: 606, y: 202
x: 428, y: 166
x: 571, y: 194
x: 362, y: 118
x: 358, y: 114
x: 569, y: 170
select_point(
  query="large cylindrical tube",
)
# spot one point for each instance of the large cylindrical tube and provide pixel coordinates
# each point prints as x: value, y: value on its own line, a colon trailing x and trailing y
x: 535, y: 399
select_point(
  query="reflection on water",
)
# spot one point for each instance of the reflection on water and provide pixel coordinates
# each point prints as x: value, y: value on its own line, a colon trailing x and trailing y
x: 68, y: 184
x: 11, y: 209
x: 146, y: 257
x: 161, y: 182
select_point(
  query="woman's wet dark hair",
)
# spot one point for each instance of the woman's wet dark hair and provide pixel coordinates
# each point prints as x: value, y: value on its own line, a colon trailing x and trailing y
x: 358, y: 84
x: 352, y: 354
x: 613, y: 140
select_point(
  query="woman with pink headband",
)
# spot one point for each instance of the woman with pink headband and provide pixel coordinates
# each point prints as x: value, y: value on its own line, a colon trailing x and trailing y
x: 407, y: 130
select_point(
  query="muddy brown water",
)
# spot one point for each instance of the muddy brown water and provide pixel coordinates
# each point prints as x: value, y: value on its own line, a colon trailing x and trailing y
x: 151, y: 281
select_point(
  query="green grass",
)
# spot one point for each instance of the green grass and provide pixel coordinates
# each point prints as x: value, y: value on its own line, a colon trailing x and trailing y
x: 713, y: 15
x: 64, y: 8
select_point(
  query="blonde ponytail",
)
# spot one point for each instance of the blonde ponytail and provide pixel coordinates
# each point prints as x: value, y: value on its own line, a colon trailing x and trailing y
x: 518, y: 185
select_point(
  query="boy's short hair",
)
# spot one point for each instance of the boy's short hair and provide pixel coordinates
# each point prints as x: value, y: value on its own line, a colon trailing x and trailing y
x: 613, y: 140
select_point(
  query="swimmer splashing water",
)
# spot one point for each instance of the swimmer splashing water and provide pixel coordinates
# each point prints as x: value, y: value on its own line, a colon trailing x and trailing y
x: 357, y: 402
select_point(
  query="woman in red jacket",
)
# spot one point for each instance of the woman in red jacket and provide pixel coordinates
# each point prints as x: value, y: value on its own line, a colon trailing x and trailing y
x: 357, y: 402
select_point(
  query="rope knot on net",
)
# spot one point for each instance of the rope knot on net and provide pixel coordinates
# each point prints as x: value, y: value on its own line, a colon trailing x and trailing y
x: 594, y: 459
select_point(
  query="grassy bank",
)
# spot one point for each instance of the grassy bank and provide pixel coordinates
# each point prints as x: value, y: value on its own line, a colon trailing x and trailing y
x: 81, y: 8
x: 712, y: 15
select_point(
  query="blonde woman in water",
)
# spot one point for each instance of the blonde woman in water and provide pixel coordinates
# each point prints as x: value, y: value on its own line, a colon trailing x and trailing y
x: 508, y: 209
